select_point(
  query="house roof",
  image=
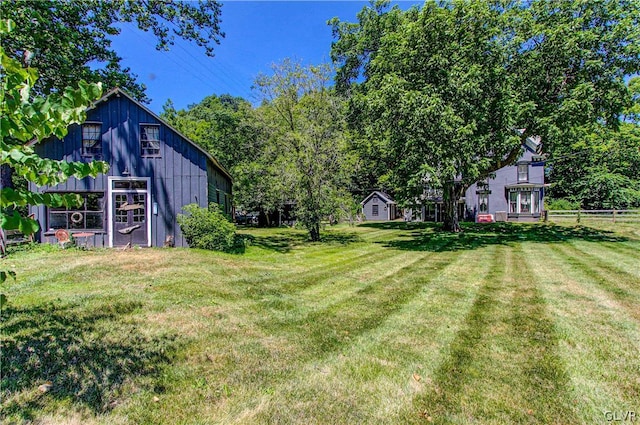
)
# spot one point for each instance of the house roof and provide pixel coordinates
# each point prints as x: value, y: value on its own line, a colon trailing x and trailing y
x: 533, y: 143
x: 119, y: 92
x: 386, y: 198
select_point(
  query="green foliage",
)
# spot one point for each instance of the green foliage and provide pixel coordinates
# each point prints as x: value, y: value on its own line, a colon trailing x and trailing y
x: 598, y: 166
x: 26, y: 120
x: 223, y: 125
x: 71, y: 40
x: 442, y: 89
x: 561, y: 204
x: 207, y: 228
x: 605, y: 190
x: 307, y: 145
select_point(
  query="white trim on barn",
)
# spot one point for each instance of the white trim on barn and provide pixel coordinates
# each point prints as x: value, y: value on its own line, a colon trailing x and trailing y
x: 111, y: 190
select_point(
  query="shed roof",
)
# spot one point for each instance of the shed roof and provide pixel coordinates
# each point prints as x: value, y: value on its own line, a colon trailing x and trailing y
x: 386, y: 198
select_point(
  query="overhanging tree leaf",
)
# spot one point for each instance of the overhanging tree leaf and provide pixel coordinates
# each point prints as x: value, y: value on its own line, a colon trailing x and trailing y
x: 27, y: 120
x: 70, y: 40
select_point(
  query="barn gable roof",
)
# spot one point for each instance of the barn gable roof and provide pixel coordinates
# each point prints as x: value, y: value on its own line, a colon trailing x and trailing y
x: 119, y: 92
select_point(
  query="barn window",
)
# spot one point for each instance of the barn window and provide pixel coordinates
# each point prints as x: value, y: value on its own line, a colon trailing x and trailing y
x: 88, y: 216
x: 150, y: 140
x: 374, y: 209
x: 92, y: 140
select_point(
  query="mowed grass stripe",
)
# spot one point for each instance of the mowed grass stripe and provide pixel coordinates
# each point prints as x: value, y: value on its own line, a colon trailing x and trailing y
x: 327, y: 329
x: 620, y: 284
x: 292, y: 280
x: 287, y: 355
x: 339, y: 286
x: 547, y: 388
x: 315, y: 275
x: 625, y: 261
x: 502, y: 366
x: 397, y: 360
x: 444, y: 399
x: 381, y: 359
x: 632, y: 248
x: 588, y: 320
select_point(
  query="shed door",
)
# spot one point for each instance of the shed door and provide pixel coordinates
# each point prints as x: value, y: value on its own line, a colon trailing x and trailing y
x: 129, y: 214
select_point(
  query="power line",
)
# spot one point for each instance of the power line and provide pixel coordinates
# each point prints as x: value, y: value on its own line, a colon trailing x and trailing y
x: 236, y: 83
x: 137, y: 34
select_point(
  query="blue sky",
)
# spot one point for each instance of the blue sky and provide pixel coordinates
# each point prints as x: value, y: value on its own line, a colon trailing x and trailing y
x: 258, y: 33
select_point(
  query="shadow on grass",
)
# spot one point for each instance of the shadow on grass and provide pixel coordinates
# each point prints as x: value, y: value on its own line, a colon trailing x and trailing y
x: 285, y: 241
x: 87, y: 355
x: 431, y: 237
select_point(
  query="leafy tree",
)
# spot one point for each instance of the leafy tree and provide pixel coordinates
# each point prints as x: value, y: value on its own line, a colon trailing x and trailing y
x: 307, y: 142
x: 69, y: 40
x: 236, y: 134
x: 26, y: 120
x: 599, y: 169
x: 452, y: 90
x: 223, y: 125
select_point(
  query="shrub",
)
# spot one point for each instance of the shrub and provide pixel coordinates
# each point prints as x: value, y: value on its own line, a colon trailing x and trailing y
x: 561, y: 204
x: 207, y: 228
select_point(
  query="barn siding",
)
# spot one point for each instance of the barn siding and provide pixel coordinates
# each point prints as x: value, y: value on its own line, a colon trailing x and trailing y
x: 182, y: 175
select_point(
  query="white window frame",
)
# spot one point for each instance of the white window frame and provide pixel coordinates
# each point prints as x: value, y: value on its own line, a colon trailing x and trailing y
x: 82, y: 210
x: 483, y: 195
x: 98, y: 140
x: 148, y: 141
x: 523, y: 172
x: 533, y: 200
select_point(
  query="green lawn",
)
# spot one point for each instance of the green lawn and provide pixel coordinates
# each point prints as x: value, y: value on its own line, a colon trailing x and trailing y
x: 381, y: 323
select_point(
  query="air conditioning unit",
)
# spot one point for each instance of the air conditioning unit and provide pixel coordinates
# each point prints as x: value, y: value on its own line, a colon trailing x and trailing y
x: 501, y: 216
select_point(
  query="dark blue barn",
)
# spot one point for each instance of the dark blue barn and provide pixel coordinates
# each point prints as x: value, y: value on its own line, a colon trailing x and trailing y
x: 155, y: 171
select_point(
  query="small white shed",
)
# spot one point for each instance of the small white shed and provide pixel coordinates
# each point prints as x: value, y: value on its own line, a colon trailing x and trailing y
x: 379, y: 206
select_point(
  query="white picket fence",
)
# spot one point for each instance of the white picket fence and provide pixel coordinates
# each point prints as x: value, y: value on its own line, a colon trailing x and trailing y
x: 621, y: 216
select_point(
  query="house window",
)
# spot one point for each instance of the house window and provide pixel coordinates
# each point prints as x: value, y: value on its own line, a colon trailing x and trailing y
x: 513, y: 202
x: 524, y: 201
x: 92, y: 140
x: 523, y: 173
x: 150, y: 140
x: 374, y: 210
x: 483, y: 203
x: 88, y: 216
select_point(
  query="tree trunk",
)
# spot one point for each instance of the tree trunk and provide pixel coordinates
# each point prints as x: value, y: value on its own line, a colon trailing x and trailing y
x: 314, y: 232
x: 450, y: 195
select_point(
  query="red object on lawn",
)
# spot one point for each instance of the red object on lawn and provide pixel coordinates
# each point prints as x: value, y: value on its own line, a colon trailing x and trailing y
x: 485, y: 218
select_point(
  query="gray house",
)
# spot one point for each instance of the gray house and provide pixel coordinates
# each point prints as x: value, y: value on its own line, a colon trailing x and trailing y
x: 154, y: 172
x: 515, y: 193
x: 379, y: 206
